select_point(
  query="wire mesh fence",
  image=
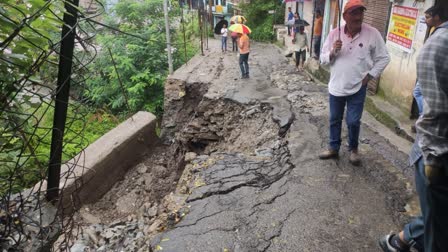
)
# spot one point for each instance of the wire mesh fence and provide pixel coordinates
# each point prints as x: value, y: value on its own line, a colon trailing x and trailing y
x: 38, y: 77
x: 30, y: 64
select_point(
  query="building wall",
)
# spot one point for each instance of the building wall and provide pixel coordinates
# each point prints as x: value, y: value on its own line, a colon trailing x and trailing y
x: 377, y: 15
x: 398, y: 79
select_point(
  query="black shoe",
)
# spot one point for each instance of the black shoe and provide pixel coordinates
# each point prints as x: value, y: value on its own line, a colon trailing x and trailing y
x: 387, y: 246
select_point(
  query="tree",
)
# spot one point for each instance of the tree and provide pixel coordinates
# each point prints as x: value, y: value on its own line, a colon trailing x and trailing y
x: 28, y: 30
x: 140, y: 62
x: 258, y: 18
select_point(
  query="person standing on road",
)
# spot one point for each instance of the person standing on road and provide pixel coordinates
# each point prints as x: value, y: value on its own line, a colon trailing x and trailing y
x: 429, y: 153
x: 356, y: 54
x: 295, y: 27
x: 224, y: 32
x: 290, y: 20
x: 432, y: 22
x: 244, y: 46
x: 318, y: 22
x: 300, y: 43
x: 234, y: 37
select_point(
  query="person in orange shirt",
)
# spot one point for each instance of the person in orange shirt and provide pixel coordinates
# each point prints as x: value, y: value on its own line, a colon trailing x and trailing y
x: 244, y: 46
x: 317, y: 33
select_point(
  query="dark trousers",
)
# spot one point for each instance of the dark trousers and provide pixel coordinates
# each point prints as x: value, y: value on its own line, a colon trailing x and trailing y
x: 300, y: 55
x: 317, y: 40
x: 234, y: 44
x: 431, y: 229
x: 244, y: 65
x: 355, y: 106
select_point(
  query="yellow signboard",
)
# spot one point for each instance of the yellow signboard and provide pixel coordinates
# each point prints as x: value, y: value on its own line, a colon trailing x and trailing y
x: 403, y: 25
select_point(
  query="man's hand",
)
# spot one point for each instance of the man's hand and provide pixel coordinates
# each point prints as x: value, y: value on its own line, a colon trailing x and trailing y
x: 434, y: 173
x: 337, y: 46
x: 366, y: 79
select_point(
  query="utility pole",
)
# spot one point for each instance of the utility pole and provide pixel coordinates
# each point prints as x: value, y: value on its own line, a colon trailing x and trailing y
x: 200, y: 29
x: 168, y: 41
x: 210, y: 15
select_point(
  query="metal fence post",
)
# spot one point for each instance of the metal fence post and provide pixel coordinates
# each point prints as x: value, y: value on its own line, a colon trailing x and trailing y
x: 62, y: 97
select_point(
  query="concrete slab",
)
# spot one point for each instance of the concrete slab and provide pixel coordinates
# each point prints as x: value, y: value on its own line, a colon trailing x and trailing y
x: 90, y: 174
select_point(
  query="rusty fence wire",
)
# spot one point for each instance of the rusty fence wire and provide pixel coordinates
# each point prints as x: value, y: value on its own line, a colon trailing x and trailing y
x: 30, y: 54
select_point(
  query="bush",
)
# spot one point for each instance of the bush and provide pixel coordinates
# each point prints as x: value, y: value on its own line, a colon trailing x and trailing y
x: 24, y: 165
x: 259, y: 20
x: 142, y: 64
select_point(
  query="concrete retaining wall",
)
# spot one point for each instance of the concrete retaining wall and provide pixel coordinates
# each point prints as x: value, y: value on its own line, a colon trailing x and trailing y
x: 89, y: 175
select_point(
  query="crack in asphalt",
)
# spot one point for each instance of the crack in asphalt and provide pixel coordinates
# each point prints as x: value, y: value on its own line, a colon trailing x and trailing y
x: 202, y: 218
x: 276, y: 170
x: 269, y: 201
x: 279, y: 233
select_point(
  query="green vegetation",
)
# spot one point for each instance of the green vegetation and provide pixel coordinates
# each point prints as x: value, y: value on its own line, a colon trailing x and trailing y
x: 29, y: 162
x: 103, y: 94
x: 140, y: 64
x: 260, y: 21
x: 27, y: 29
x: 25, y: 45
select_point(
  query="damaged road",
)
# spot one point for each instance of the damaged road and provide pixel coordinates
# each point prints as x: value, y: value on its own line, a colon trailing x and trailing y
x: 276, y: 195
x: 238, y: 170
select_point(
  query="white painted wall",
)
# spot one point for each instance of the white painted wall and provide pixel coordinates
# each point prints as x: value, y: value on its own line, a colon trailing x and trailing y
x: 398, y: 79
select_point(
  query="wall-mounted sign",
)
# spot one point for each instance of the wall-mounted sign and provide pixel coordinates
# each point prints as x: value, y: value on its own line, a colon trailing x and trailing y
x: 402, y: 27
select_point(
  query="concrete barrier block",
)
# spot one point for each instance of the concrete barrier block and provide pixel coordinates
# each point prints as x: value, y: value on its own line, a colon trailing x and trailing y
x: 90, y: 174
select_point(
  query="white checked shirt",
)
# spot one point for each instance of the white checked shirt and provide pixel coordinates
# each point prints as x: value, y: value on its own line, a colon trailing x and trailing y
x: 363, y: 54
x: 432, y: 74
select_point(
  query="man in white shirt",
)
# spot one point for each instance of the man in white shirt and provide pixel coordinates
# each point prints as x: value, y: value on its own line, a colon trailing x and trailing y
x: 356, y: 54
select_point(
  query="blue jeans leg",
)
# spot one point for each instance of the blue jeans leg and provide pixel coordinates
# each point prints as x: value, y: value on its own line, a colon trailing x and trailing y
x: 355, y: 106
x: 224, y: 43
x: 418, y: 97
x: 414, y: 231
x: 430, y: 229
x: 337, y: 105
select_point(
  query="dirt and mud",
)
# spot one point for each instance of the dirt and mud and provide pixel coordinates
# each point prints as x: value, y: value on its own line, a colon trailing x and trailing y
x: 238, y: 170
